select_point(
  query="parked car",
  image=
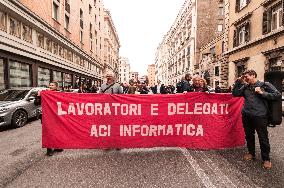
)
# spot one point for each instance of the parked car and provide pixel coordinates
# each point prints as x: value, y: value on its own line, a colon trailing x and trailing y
x: 17, y: 106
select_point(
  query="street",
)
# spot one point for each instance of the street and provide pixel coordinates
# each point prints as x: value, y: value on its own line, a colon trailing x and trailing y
x: 24, y: 164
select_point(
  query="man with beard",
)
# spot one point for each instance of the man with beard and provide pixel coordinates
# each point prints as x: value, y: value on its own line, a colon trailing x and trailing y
x: 110, y: 86
x: 255, y: 112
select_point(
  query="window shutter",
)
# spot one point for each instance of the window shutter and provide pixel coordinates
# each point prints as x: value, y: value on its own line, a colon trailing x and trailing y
x: 235, y: 38
x: 237, y: 5
x: 247, y: 33
x: 269, y: 19
x: 265, y: 23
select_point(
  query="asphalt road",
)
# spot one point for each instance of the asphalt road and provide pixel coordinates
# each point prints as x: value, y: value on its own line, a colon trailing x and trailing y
x: 24, y: 164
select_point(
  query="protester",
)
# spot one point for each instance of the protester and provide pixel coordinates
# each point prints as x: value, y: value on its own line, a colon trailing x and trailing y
x: 255, y: 113
x: 144, y: 89
x: 82, y: 89
x: 132, y: 88
x: 53, y: 86
x: 187, y: 86
x: 159, y: 88
x: 94, y: 89
x: 218, y: 89
x: 203, y: 85
x: 125, y: 88
x: 180, y: 85
x: 110, y: 86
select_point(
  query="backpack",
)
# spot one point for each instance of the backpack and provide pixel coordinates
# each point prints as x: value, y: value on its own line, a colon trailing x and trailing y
x: 179, y: 87
x: 274, y: 107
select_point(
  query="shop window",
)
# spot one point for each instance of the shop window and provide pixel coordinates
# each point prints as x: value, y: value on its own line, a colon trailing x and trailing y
x: 3, y: 21
x: 49, y: 45
x: 40, y: 40
x: 55, y: 48
x: 67, y: 79
x: 27, y: 33
x: 20, y: 74
x: 15, y: 27
x: 57, y: 77
x: 2, y: 83
x: 43, y: 77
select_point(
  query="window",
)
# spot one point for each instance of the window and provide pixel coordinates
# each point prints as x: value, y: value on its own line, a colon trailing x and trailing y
x: 20, y: 74
x: 40, y: 40
x: 3, y: 21
x: 55, y: 10
x: 212, y: 50
x: 43, y: 77
x: 240, y: 4
x: 95, y: 2
x: 220, y: 27
x: 81, y: 36
x: 221, y: 11
x: 67, y: 6
x: 15, y: 27
x: 66, y: 22
x: 217, y: 71
x: 69, y: 55
x: 95, y: 18
x: 81, y: 19
x: 99, y: 25
x: 90, y: 9
x: 241, y: 34
x: 277, y: 15
x: 61, y: 51
x: 27, y: 33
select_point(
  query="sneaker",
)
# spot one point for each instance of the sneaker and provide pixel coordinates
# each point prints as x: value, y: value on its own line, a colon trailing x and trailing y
x: 49, y: 152
x: 267, y: 165
x: 249, y: 157
x: 58, y: 150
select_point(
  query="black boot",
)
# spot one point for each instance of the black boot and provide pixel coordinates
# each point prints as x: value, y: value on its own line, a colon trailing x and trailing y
x: 49, y: 152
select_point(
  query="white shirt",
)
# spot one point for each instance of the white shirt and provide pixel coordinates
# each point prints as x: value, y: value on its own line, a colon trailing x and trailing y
x: 158, y: 89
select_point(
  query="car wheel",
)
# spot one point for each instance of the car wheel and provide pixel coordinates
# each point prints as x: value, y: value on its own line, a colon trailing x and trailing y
x: 19, y: 118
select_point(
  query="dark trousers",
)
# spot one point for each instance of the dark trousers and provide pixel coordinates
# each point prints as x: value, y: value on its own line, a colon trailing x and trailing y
x: 258, y: 124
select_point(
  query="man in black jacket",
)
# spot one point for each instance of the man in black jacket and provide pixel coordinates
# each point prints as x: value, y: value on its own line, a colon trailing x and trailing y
x: 255, y: 112
x: 159, y: 88
x: 53, y: 86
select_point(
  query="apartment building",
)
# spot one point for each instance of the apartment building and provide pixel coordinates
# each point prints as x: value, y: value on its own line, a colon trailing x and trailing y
x: 256, y: 39
x: 55, y: 40
x: 124, y: 70
x: 151, y: 74
x: 198, y: 22
x: 111, y: 45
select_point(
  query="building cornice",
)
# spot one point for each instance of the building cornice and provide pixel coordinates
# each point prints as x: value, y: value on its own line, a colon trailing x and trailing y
x: 25, y: 13
x: 256, y: 41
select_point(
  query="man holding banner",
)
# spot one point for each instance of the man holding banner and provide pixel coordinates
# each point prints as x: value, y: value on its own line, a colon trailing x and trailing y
x: 255, y: 113
x: 110, y: 86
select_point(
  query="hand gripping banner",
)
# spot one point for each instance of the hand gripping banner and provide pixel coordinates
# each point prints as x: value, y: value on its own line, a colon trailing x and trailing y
x: 192, y: 120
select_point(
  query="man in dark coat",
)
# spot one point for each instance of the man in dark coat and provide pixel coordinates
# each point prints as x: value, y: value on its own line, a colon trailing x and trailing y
x: 159, y: 88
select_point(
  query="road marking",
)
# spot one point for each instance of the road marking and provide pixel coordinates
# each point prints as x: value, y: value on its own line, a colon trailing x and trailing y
x: 224, y: 179
x: 199, y: 171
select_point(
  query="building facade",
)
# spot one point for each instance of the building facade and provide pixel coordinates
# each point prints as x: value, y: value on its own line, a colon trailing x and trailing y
x: 133, y: 76
x: 124, y: 70
x: 151, y: 74
x: 50, y: 41
x: 111, y: 45
x: 197, y: 23
x: 256, y: 39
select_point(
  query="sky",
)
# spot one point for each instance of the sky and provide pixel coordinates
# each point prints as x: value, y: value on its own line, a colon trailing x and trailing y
x: 141, y: 25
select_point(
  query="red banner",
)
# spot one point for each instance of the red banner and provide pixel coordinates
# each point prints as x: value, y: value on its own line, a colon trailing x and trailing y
x: 192, y: 120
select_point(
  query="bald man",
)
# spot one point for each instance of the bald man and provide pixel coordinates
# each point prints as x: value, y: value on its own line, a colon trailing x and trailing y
x: 110, y: 86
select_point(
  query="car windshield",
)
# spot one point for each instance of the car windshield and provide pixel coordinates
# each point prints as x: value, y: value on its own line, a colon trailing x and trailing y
x: 13, y: 95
